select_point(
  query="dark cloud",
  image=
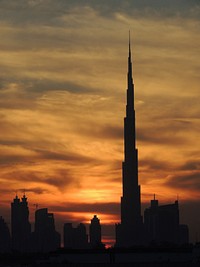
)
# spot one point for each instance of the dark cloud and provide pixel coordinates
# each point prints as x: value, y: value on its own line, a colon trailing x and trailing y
x: 153, y: 165
x: 102, y: 131
x: 192, y: 165
x: 7, y: 142
x: 24, y: 11
x: 113, y: 132
x: 103, y: 207
x: 68, y: 156
x: 187, y: 177
x: 190, y: 181
x: 36, y: 190
x: 179, y: 110
x: 160, y: 135
x: 41, y: 86
x: 5, y: 191
x: 40, y: 155
x: 29, y: 90
x: 49, y: 11
x: 17, y: 99
x: 14, y: 159
x: 62, y: 178
x: 167, y: 120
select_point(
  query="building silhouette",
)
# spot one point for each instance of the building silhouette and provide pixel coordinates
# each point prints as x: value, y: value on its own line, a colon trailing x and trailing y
x: 5, y: 239
x: 183, y: 234
x: 162, y: 224
x: 75, y: 237
x: 95, y: 233
x: 45, y: 238
x: 20, y: 225
x: 130, y: 231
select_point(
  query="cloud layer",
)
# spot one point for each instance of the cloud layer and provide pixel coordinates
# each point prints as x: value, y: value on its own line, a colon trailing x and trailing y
x: 62, y: 102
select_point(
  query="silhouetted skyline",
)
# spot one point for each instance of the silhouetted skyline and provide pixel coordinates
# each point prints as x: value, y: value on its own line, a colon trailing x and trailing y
x: 43, y: 237
x: 62, y: 102
x: 160, y: 224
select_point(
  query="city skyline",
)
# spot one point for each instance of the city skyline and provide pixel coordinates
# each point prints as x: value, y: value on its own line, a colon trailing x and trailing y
x: 62, y: 93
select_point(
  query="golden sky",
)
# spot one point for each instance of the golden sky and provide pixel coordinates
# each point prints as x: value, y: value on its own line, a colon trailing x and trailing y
x: 63, y: 67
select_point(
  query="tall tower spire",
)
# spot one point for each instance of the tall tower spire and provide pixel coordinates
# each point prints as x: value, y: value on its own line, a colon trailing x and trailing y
x: 130, y: 110
x: 129, y: 55
x: 129, y: 232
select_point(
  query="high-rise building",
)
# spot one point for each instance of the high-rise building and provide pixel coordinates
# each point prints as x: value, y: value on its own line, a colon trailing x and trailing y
x: 5, y: 239
x: 162, y: 224
x: 95, y: 232
x: 183, y: 234
x: 75, y: 237
x: 20, y: 225
x: 130, y: 231
x: 45, y: 238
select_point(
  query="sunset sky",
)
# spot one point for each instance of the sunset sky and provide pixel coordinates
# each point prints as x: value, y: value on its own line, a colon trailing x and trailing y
x: 63, y: 67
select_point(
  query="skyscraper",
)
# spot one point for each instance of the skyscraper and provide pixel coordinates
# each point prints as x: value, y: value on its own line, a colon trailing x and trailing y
x: 95, y: 232
x: 20, y: 225
x: 5, y: 240
x: 130, y: 231
x: 75, y: 237
x: 162, y: 225
x: 45, y: 238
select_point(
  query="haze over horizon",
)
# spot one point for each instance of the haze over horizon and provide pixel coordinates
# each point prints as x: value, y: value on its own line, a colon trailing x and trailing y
x: 62, y: 103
